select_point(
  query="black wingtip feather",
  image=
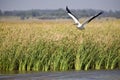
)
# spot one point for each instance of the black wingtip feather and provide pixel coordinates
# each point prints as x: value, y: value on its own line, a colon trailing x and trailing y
x: 95, y: 16
x: 101, y: 12
x: 67, y: 9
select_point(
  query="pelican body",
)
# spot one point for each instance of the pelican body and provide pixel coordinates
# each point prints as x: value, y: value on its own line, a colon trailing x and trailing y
x: 76, y: 20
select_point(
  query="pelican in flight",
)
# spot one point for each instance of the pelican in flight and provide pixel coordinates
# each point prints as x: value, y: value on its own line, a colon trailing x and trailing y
x: 76, y: 20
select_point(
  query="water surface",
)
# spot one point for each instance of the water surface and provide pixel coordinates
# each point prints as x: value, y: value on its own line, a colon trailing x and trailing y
x: 69, y: 75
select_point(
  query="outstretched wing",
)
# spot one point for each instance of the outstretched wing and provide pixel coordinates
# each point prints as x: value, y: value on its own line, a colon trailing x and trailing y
x: 72, y: 16
x: 91, y: 18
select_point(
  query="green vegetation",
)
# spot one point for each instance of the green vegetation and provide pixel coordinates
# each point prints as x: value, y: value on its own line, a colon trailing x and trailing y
x: 57, y: 45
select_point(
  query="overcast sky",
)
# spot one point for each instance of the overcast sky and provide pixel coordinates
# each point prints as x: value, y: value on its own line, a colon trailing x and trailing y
x: 55, y: 4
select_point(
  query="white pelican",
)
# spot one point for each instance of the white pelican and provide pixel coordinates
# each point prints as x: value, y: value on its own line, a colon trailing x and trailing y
x: 76, y: 20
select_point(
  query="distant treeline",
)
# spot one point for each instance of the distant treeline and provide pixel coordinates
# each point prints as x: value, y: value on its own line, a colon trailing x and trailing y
x: 57, y: 14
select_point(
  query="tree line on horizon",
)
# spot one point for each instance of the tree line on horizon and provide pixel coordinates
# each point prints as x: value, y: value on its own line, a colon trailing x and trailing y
x: 57, y: 14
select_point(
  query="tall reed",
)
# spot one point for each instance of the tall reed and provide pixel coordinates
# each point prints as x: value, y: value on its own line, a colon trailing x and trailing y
x: 58, y: 46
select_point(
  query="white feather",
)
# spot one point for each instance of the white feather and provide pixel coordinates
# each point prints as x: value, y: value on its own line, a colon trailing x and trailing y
x: 75, y: 20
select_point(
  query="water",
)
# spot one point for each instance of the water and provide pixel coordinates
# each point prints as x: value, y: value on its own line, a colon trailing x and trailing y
x: 69, y: 75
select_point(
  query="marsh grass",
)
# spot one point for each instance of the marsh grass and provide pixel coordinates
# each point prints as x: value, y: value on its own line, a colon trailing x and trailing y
x: 58, y: 45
